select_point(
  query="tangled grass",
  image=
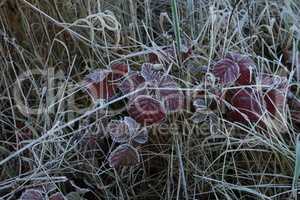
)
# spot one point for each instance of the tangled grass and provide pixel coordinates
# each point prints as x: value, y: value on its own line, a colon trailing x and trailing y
x: 53, y: 136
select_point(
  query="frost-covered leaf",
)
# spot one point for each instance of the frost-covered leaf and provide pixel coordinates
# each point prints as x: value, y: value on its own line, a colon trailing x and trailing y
x: 119, y: 70
x: 173, y: 100
x: 127, y: 130
x: 133, y: 126
x: 275, y: 89
x: 247, y: 105
x: 118, y: 131
x: 133, y: 82
x: 32, y: 194
x: 137, y: 134
x: 202, y: 115
x: 146, y: 110
x: 141, y: 136
x: 97, y: 75
x: 170, y: 94
x: 272, y: 81
x: 246, y: 66
x: 275, y: 101
x: 150, y: 74
x: 227, y: 71
x: 124, y: 155
x: 101, y: 84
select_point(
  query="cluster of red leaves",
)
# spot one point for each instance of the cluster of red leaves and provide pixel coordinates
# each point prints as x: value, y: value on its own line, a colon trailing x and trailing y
x: 255, y: 96
x: 152, y: 94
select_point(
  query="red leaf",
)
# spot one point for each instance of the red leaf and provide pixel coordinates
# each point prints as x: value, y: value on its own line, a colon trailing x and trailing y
x: 248, y: 105
x: 246, y: 64
x: 172, y: 97
x: 167, y: 89
x: 275, y: 88
x: 133, y: 82
x: 146, y: 110
x: 153, y: 58
x: 275, y: 101
x: 174, y: 100
x: 226, y: 71
x: 272, y: 81
x: 124, y: 155
x: 32, y: 194
x: 101, y: 85
x: 120, y: 70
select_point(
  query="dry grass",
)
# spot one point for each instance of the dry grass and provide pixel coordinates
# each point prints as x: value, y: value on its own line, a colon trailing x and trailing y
x: 62, y: 148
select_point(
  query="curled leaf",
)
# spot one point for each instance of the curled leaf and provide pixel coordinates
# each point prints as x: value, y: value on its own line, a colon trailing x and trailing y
x: 32, y: 194
x: 146, y: 110
x: 227, y: 71
x: 124, y: 155
x: 101, y: 84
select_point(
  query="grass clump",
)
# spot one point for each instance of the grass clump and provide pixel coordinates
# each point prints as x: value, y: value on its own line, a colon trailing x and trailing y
x: 54, y: 138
